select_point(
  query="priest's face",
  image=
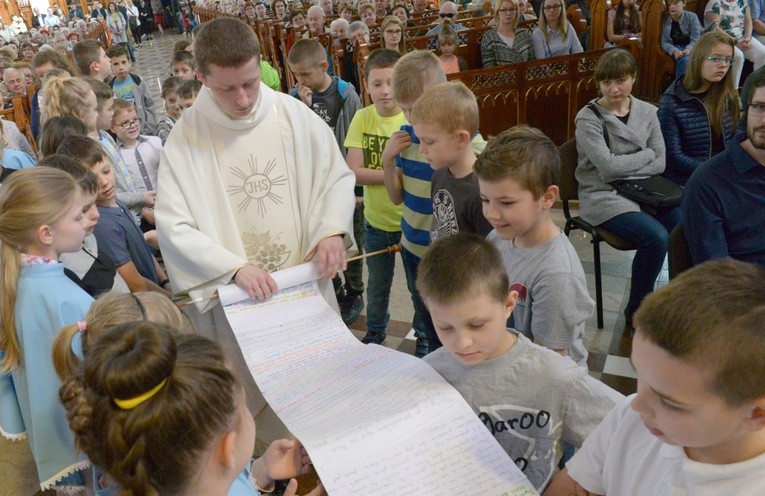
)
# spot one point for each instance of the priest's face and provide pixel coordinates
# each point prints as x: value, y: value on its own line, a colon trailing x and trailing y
x: 235, y: 89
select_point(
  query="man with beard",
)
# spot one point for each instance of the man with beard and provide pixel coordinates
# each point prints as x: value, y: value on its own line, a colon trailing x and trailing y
x: 724, y: 200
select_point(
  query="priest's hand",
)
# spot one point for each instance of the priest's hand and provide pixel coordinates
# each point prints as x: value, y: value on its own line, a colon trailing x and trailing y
x: 257, y: 282
x: 330, y: 257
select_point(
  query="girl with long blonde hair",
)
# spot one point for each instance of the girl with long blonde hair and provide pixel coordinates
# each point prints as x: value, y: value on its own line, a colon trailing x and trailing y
x: 41, y: 217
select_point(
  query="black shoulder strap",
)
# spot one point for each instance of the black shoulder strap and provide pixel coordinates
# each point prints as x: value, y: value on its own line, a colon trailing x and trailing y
x: 595, y: 111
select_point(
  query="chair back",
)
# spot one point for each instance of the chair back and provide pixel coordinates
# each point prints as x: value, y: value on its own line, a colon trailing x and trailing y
x: 569, y: 187
x: 679, y: 259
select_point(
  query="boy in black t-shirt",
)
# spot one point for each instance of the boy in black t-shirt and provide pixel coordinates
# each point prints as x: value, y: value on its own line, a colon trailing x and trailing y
x: 336, y: 102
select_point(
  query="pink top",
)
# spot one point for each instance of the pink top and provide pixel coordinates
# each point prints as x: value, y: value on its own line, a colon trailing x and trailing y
x: 450, y: 67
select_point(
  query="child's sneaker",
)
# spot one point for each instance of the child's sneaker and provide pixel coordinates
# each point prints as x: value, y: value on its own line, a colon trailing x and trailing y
x: 374, y: 338
x: 350, y: 307
x: 422, y: 348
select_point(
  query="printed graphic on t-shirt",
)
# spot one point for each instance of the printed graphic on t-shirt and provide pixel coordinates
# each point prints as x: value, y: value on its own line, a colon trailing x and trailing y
x: 444, y: 216
x: 373, y: 146
x: 522, y: 290
x: 527, y: 435
x: 320, y: 108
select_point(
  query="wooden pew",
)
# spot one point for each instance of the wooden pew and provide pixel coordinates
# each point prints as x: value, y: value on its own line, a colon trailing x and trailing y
x: 653, y: 67
x: 18, y: 115
x: 546, y: 94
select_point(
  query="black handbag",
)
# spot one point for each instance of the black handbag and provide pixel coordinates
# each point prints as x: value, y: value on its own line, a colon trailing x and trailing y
x: 653, y: 193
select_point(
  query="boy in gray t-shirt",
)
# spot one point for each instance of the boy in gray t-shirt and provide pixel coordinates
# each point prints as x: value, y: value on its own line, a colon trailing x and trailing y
x: 530, y: 398
x: 518, y: 174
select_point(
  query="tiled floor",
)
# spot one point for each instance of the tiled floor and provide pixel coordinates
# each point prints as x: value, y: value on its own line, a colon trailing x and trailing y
x: 608, y: 348
x: 605, y: 345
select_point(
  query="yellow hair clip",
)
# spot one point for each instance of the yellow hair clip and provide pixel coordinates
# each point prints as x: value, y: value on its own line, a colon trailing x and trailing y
x: 131, y: 403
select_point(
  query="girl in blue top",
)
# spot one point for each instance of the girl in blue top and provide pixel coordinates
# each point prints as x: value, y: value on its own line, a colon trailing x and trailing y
x: 165, y: 415
x: 41, y: 217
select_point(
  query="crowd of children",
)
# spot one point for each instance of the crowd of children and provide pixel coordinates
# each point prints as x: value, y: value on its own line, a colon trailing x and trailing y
x: 101, y: 388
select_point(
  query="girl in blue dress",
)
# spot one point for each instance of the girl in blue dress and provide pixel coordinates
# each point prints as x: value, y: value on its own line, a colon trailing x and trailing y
x: 41, y: 217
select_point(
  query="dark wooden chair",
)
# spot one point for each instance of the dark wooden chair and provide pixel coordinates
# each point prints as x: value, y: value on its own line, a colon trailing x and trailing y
x: 679, y: 252
x: 569, y: 191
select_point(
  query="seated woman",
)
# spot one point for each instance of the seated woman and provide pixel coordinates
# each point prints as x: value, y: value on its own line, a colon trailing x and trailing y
x: 279, y: 10
x: 392, y: 34
x: 699, y: 111
x: 633, y: 148
x: 623, y: 23
x: 401, y: 11
x: 554, y: 36
x: 735, y: 18
x: 505, y: 44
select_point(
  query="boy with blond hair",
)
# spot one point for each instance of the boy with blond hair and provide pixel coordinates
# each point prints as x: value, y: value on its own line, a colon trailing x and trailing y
x: 407, y: 179
x: 336, y: 102
x: 530, y: 398
x: 518, y: 173
x: 697, y: 423
x: 368, y: 134
x: 445, y: 119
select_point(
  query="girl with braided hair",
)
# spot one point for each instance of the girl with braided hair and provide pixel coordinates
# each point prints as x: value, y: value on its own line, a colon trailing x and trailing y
x: 165, y: 415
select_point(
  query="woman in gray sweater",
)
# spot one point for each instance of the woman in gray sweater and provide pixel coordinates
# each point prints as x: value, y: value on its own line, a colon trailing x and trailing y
x: 635, y: 149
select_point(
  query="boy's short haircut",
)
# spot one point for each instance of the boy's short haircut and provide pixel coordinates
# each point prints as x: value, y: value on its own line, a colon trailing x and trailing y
x: 84, y: 177
x: 102, y: 90
x: 712, y: 315
x: 293, y: 14
x: 524, y: 154
x: 462, y: 264
x: 183, y: 57
x: 189, y: 88
x: 56, y: 129
x: 225, y: 42
x: 86, y: 52
x: 83, y: 149
x: 450, y: 106
x: 53, y: 57
x: 121, y: 106
x: 170, y: 85
x: 364, y: 7
x: 181, y: 46
x: 307, y: 51
x: 380, y: 58
x: 117, y: 50
x: 414, y: 72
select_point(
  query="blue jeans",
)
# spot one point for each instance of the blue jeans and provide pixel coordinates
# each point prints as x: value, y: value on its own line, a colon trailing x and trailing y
x: 651, y: 235
x: 422, y: 323
x: 681, y: 65
x: 379, y: 276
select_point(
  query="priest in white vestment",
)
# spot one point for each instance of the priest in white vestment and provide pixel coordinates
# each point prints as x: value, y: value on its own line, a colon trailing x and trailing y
x: 250, y: 182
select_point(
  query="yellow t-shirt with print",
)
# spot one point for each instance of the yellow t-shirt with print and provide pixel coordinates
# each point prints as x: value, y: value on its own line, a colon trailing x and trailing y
x: 371, y: 132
